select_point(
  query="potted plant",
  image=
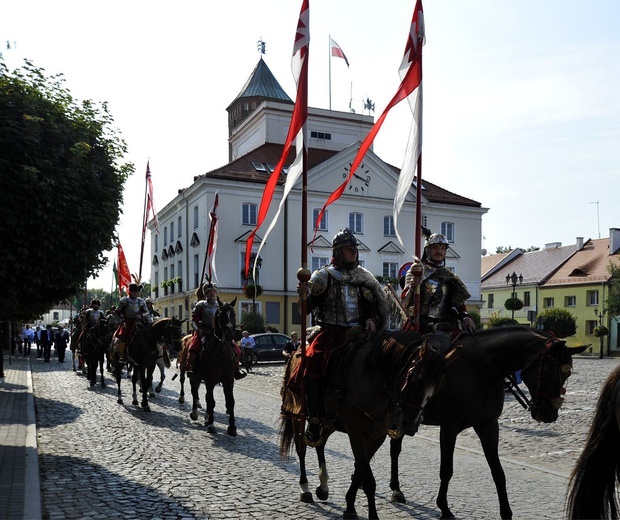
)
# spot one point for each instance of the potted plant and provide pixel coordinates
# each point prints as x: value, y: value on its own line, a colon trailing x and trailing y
x: 600, y: 331
x: 513, y: 304
x: 253, y: 291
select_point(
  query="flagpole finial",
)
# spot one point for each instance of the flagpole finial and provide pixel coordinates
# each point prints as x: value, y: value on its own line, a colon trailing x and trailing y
x: 261, y: 46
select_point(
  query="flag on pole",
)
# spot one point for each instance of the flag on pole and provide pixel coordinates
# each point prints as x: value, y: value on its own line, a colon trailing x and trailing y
x: 212, y: 241
x: 124, y: 275
x: 337, y: 51
x: 299, y: 66
x: 150, y: 204
x: 115, y: 271
x: 411, y: 72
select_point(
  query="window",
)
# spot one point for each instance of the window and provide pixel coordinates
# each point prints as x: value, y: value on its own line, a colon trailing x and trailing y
x: 570, y: 301
x: 179, y: 228
x: 180, y: 271
x: 195, y: 217
x: 156, y: 287
x: 56, y: 316
x: 171, y: 276
x: 356, y: 223
x: 247, y: 307
x: 165, y: 236
x: 295, y: 314
x: 318, y: 262
x: 320, y: 135
x: 388, y: 227
x: 447, y: 229
x: 592, y: 297
x: 156, y: 242
x: 548, y: 302
x: 390, y: 270
x: 323, y: 224
x: 491, y: 301
x: 272, y: 312
x: 590, y: 324
x: 249, y: 212
x: 180, y: 316
x: 171, y: 232
x: 526, y: 299
x: 196, y: 264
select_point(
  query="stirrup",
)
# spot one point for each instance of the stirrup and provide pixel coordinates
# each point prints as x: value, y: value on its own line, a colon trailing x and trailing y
x: 313, y: 437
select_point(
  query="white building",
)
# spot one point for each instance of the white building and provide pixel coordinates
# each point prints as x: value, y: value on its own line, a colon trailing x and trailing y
x: 258, y: 123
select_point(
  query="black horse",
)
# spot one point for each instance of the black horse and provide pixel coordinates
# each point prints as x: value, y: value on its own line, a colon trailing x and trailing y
x: 143, y: 353
x: 473, y: 396
x: 383, y: 386
x: 94, y: 346
x: 592, y: 487
x: 217, y: 364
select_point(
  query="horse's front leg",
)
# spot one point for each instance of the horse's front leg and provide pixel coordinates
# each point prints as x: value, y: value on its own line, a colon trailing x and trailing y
x: 210, y: 399
x: 182, y: 392
x: 230, y: 407
x: 147, y: 382
x: 134, y: 381
x: 300, y: 448
x: 118, y: 372
x: 162, y: 374
x: 322, y: 491
x: 396, y: 446
x: 488, y: 434
x: 194, y: 384
x: 447, y: 441
x: 101, y: 361
x: 356, y: 481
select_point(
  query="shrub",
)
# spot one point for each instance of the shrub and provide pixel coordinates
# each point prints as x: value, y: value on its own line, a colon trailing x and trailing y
x: 501, y: 321
x: 513, y: 304
x: 253, y: 322
x: 559, y: 321
x: 600, y: 331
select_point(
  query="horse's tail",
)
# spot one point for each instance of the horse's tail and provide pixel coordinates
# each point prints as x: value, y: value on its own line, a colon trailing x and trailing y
x: 287, y: 433
x: 592, y: 485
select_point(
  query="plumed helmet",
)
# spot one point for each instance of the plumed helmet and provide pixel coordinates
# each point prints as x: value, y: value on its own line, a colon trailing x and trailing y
x: 148, y: 300
x: 207, y: 288
x: 95, y: 302
x: 344, y: 238
x: 134, y: 287
x: 436, y: 238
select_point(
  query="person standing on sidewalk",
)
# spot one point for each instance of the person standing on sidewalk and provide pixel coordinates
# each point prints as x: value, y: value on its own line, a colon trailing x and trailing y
x: 37, y: 339
x: 247, y: 344
x: 27, y: 338
x: 47, y: 338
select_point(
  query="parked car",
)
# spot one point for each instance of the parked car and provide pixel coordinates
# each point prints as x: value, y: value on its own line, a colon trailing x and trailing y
x: 269, y: 346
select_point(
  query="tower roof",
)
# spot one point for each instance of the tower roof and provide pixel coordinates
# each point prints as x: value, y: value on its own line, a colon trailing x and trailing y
x: 263, y: 84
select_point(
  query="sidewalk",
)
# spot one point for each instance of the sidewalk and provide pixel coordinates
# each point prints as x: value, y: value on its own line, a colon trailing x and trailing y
x: 20, y: 491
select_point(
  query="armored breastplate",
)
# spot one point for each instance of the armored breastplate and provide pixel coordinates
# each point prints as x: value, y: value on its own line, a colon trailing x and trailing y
x: 94, y: 317
x: 131, y: 308
x: 341, y: 305
x: 434, y: 299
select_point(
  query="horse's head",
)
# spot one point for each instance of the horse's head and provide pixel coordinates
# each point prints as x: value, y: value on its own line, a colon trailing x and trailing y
x: 422, y: 378
x: 172, y: 332
x: 226, y: 320
x: 546, y: 376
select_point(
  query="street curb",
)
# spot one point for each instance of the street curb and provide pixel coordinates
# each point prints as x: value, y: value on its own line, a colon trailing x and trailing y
x: 32, y: 498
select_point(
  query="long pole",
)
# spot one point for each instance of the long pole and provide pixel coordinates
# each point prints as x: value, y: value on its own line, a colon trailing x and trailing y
x: 144, y: 217
x: 418, y: 240
x: 329, y: 50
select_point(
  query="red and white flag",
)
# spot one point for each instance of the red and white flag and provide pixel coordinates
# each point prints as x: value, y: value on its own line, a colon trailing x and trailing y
x: 299, y: 66
x: 150, y: 205
x: 212, y: 240
x: 337, y: 51
x: 124, y: 275
x: 411, y: 74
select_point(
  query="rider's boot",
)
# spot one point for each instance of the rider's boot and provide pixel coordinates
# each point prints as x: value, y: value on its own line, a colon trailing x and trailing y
x: 312, y: 436
x: 191, y: 367
x: 239, y: 374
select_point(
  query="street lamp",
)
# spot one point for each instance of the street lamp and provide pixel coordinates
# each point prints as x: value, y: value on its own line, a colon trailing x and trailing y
x: 600, y: 314
x: 514, y: 280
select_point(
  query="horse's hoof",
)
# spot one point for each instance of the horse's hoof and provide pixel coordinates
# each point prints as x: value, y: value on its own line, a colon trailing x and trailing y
x: 135, y: 402
x: 350, y: 515
x: 146, y: 408
x: 119, y: 401
x: 158, y: 388
x: 182, y: 400
x: 447, y: 515
x: 232, y: 431
x: 210, y: 428
x: 103, y: 385
x: 306, y: 497
x: 322, y: 494
x: 398, y: 497
x: 199, y: 405
x: 193, y: 415
x: 151, y: 394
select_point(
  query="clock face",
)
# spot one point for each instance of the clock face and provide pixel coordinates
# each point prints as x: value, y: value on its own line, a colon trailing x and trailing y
x: 360, y: 182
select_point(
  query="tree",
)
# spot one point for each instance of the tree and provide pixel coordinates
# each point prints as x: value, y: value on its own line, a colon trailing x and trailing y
x: 62, y: 179
x: 613, y: 299
x: 559, y: 321
x: 502, y: 249
x: 501, y: 321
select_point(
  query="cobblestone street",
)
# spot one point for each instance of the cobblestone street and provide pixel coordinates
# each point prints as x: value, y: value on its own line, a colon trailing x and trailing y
x: 99, y: 459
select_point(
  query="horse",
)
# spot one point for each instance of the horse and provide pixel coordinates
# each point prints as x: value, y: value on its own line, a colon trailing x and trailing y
x: 94, y: 346
x: 382, y: 386
x: 143, y: 352
x: 217, y: 364
x: 181, y: 366
x: 592, y: 484
x: 473, y: 396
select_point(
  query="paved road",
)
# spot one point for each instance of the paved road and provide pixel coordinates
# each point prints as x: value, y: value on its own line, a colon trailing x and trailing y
x: 99, y: 459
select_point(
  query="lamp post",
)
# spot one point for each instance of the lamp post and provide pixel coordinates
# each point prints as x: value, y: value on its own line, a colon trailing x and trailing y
x: 514, y: 280
x: 600, y: 314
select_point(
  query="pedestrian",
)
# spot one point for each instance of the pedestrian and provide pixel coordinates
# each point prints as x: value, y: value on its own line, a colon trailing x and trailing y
x: 341, y: 295
x: 47, y: 338
x: 247, y: 344
x: 27, y: 338
x: 60, y: 343
x: 37, y: 339
x: 291, y: 346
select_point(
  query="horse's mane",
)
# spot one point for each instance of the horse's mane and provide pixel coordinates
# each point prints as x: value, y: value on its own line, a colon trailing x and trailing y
x: 393, y: 343
x: 592, y: 484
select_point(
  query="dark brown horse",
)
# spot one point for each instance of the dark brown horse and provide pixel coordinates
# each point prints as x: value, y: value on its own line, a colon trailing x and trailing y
x: 473, y: 396
x: 592, y: 487
x: 217, y: 364
x: 94, y: 347
x: 383, y: 386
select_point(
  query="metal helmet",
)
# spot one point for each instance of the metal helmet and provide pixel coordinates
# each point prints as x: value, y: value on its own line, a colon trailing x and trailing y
x: 95, y: 302
x: 207, y: 288
x: 148, y: 300
x: 344, y: 238
x: 435, y: 238
x: 134, y: 287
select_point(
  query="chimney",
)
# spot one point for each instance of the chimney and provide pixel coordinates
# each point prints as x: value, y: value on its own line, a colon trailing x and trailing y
x: 579, y: 243
x: 553, y: 245
x: 614, y: 240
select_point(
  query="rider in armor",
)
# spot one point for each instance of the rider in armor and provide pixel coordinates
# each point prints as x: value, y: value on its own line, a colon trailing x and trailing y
x: 91, y: 317
x: 152, y: 311
x: 132, y: 310
x: 340, y: 296
x: 441, y: 291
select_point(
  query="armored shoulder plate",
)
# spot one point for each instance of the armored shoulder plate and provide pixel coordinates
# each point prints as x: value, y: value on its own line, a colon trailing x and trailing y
x: 318, y: 282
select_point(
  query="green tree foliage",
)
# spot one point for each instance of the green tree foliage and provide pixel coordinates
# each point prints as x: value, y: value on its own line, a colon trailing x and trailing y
x: 253, y: 322
x: 559, y: 321
x: 503, y: 249
x: 61, y: 179
x: 501, y: 321
x: 513, y: 304
x: 613, y: 299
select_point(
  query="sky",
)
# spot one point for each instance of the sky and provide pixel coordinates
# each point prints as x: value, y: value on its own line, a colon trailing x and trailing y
x: 521, y: 99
